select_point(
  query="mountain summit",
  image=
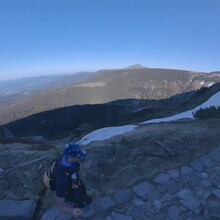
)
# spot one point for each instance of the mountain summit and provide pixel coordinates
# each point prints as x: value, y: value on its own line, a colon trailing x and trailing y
x: 135, y: 66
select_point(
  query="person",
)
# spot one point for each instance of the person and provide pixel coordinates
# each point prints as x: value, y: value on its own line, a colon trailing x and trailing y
x: 71, y: 194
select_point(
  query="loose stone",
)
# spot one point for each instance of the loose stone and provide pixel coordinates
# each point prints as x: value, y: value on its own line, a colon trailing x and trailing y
x: 119, y: 216
x: 216, y: 193
x: 154, y: 195
x: 103, y: 203
x: 206, y: 160
x: 123, y: 196
x: 162, y: 178
x: 173, y: 212
x: 186, y: 170
x: 197, y: 165
x: 174, y: 173
x: 142, y: 189
x: 215, y: 154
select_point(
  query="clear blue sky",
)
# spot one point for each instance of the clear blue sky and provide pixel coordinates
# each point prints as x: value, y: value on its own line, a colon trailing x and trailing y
x: 62, y: 36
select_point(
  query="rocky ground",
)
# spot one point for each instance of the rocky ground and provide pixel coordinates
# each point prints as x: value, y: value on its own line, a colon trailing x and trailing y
x: 191, y: 191
x: 127, y: 168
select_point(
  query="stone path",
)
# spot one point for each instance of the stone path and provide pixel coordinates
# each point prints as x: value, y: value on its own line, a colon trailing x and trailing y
x: 189, y: 192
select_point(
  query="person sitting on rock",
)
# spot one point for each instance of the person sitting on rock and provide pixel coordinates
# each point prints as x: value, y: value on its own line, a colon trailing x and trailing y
x: 71, y: 193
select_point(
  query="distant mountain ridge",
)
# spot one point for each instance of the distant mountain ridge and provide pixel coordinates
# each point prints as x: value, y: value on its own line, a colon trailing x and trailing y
x: 106, y: 86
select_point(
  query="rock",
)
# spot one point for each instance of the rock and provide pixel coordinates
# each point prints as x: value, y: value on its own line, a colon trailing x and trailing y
x: 123, y: 196
x: 216, y: 193
x: 162, y: 178
x: 138, y: 202
x: 154, y: 195
x: 162, y: 216
x: 200, y: 193
x: 215, y: 212
x: 119, y: 216
x: 206, y: 194
x: 173, y: 212
x: 148, y: 208
x: 215, y: 179
x: 54, y: 213
x: 161, y: 188
x: 88, y: 211
x: 186, y: 170
x: 206, y: 183
x: 172, y: 186
x: 157, y: 204
x: 189, y: 201
x: 197, y: 165
x: 142, y: 189
x: 167, y: 197
x: 174, y: 173
x: 205, y: 175
x: 103, y: 204
x: 137, y: 212
x: 206, y: 160
x: 17, y: 210
x: 215, y: 155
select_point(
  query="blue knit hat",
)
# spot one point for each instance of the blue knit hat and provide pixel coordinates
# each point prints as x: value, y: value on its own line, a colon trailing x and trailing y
x: 74, y: 150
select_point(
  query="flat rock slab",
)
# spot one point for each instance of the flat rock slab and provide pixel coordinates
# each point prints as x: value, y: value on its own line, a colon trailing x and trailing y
x: 123, y: 196
x: 103, y: 204
x: 142, y: 189
x: 189, y: 201
x: 119, y: 216
x: 215, y: 154
x: 54, y: 213
x: 162, y: 178
x: 197, y: 165
x: 17, y: 210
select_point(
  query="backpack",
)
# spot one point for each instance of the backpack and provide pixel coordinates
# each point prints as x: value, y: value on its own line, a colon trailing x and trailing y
x: 49, y: 178
x: 82, y: 199
x: 49, y: 175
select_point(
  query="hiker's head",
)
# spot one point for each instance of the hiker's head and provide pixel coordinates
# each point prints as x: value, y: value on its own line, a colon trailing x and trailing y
x: 73, y: 152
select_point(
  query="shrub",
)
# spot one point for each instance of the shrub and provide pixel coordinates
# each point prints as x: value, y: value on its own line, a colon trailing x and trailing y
x: 207, y: 113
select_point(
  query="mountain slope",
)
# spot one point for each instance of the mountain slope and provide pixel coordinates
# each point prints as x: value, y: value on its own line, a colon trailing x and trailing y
x: 109, y: 85
x: 81, y: 119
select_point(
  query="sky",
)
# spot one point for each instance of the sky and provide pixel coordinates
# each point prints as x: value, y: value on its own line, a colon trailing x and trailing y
x: 40, y: 37
x: 108, y: 132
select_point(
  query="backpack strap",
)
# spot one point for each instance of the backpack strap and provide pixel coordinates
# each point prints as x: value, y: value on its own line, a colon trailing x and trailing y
x: 52, y: 168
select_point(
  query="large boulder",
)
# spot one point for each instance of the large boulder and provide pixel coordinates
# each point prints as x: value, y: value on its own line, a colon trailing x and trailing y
x: 17, y: 210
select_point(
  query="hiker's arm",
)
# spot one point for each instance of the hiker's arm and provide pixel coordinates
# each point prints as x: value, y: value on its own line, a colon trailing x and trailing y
x: 62, y: 206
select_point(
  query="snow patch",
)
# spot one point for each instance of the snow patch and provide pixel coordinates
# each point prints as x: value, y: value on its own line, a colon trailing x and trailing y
x: 106, y: 133
x: 213, y: 101
x: 210, y: 84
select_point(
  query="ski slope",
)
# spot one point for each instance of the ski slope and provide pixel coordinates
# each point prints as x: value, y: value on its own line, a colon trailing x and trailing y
x: 108, y: 132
